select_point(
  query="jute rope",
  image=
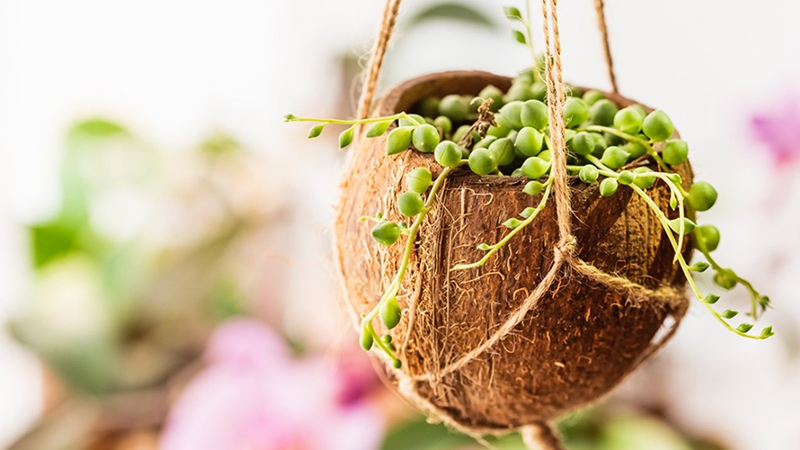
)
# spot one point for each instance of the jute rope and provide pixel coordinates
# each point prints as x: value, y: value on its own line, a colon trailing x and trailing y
x: 599, y: 6
x: 555, y: 103
x: 388, y: 20
x: 537, y: 436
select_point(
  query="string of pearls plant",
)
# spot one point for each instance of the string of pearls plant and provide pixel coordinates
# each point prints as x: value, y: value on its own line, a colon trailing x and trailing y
x: 506, y: 134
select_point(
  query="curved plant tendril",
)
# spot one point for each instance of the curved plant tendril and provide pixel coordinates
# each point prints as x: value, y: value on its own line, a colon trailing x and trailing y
x: 709, y: 299
x: 394, y: 287
x: 494, y: 248
x: 757, y: 299
x: 387, y: 233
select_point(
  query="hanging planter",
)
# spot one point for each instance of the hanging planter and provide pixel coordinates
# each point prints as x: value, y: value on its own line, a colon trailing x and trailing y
x: 558, y: 343
x: 513, y: 252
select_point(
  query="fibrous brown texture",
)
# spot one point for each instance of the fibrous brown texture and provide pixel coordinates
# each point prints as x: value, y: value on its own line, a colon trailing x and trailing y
x: 583, y: 333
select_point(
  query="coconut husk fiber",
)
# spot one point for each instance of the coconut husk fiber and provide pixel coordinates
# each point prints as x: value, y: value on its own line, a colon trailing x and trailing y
x: 493, y: 348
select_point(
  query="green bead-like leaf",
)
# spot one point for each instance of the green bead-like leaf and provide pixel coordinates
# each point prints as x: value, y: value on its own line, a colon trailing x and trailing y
x: 527, y: 212
x: 582, y: 143
x: 529, y: 141
x: 399, y: 140
x: 378, y: 128
x: 535, y: 167
x: 576, y: 112
x: 390, y: 313
x: 493, y: 93
x: 456, y: 107
x: 484, y: 247
x: 745, y: 327
x: 608, y: 187
x: 419, y: 180
x: 425, y: 138
x: 706, y: 238
x: 602, y: 112
x: 767, y: 332
x: 699, y: 266
x: 688, y: 225
x: 711, y: 299
x: 448, y: 154
x: 512, y: 13
x: 635, y: 149
x: 366, y: 339
x: 725, y: 279
x: 519, y: 36
x: 591, y: 97
x: 626, y: 177
x: 658, y: 126
x: 629, y: 120
x: 614, y: 157
x: 316, y: 130
x: 410, y: 204
x: 675, y: 151
x: 533, y: 188
x: 512, y: 114
x: 444, y: 124
x: 702, y: 196
x: 346, y: 137
x: 729, y: 314
x: 503, y: 151
x: 588, y: 174
x: 386, y: 233
x: 643, y: 179
x: 534, y: 114
x: 512, y: 223
x: 482, y: 162
x: 413, y: 120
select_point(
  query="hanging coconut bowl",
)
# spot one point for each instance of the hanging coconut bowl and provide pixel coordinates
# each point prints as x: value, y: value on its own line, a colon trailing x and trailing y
x: 617, y: 298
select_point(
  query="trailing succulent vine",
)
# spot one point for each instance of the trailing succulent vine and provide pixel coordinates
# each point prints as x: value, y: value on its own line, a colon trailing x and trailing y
x: 506, y: 134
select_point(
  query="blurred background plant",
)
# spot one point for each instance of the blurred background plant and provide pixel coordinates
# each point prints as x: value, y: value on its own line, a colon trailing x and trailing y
x: 179, y: 296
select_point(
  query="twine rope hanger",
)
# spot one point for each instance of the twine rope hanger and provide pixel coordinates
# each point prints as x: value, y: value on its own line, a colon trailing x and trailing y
x: 537, y: 436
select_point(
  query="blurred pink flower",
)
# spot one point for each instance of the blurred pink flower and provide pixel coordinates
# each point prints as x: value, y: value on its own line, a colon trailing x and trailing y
x: 779, y: 130
x: 254, y: 396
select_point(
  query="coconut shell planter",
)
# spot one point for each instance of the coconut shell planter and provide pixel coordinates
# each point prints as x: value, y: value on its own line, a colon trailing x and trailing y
x: 513, y: 248
x: 582, y: 336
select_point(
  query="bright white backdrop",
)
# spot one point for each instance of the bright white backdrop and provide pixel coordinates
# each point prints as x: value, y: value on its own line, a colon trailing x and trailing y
x: 174, y: 70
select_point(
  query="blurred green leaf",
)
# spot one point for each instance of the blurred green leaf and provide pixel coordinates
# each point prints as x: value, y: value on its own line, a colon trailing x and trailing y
x: 421, y: 435
x: 220, y: 144
x: 97, y: 127
x: 227, y: 299
x: 50, y: 241
x: 453, y: 12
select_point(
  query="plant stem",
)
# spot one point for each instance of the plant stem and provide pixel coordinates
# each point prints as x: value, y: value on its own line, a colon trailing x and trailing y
x: 496, y: 247
x: 755, y: 296
x: 394, y: 287
x: 684, y: 266
x: 662, y: 218
x: 528, y: 32
x: 402, y: 115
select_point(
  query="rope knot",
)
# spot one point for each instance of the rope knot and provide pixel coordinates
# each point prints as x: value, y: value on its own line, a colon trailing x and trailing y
x: 567, y: 246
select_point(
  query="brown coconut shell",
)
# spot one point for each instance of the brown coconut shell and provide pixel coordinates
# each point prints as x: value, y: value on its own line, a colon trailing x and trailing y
x: 584, y: 335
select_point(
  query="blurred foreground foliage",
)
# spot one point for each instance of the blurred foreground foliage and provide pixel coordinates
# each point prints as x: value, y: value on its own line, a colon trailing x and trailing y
x: 133, y: 271
x: 601, y: 428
